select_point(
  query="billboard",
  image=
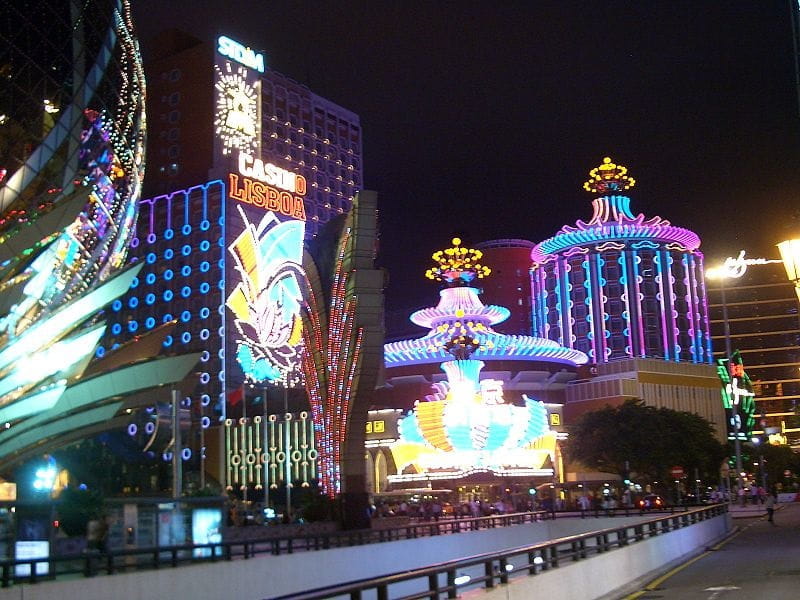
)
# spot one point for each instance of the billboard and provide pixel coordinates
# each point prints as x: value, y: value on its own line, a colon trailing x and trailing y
x: 264, y: 228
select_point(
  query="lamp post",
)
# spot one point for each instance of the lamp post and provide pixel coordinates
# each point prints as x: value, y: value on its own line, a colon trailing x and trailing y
x: 720, y: 275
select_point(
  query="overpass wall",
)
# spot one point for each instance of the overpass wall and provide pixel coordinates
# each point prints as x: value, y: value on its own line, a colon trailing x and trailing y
x: 267, y: 576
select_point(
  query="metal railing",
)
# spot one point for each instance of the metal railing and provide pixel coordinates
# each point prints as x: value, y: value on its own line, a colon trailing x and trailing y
x: 89, y: 564
x: 493, y: 568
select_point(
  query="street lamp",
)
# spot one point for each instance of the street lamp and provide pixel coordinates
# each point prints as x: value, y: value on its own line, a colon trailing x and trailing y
x: 790, y: 254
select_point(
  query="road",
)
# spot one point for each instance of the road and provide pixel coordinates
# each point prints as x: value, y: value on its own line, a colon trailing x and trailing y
x: 761, y: 560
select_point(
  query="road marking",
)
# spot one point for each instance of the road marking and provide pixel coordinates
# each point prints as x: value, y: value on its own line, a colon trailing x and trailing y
x: 658, y: 581
x: 717, y: 590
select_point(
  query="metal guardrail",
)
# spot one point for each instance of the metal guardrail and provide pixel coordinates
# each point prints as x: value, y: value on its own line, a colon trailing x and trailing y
x: 89, y: 564
x: 448, y: 578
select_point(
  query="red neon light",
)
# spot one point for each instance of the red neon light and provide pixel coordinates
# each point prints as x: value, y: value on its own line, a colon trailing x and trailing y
x: 265, y: 196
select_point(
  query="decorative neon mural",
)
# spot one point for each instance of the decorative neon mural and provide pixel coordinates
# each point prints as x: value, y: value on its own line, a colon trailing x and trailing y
x: 253, y: 444
x: 622, y: 285
x: 266, y: 300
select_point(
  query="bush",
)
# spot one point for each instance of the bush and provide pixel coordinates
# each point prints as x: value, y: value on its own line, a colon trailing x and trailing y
x: 76, y: 508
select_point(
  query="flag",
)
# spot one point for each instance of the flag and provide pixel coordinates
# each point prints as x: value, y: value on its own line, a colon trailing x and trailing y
x: 236, y: 396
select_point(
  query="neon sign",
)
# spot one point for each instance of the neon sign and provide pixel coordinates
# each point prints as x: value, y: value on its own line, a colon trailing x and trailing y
x: 241, y: 54
x: 236, y: 121
x: 271, y: 174
x: 257, y: 193
x: 737, y: 266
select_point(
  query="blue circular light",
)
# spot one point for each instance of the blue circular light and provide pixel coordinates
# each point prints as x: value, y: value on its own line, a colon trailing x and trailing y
x: 151, y: 278
x: 169, y: 253
x: 205, y: 400
x: 100, y: 352
x: 151, y: 238
x: 185, y: 316
x: 149, y: 322
x: 186, y: 291
x: 168, y: 341
x: 150, y: 258
x: 204, y: 224
x: 186, y: 229
x: 150, y: 299
x: 169, y: 234
x: 205, y: 378
x: 116, y: 328
x: 116, y: 305
x: 133, y: 326
x: 204, y: 266
x: 166, y: 318
x: 204, y: 356
x: 168, y: 274
x: 205, y: 245
x: 186, y: 250
x: 205, y: 422
x: 221, y: 220
x: 204, y: 287
x: 168, y: 295
x: 133, y: 302
x: 221, y: 284
x: 186, y: 337
x: 221, y: 263
x: 204, y: 334
x: 186, y: 270
x: 134, y: 282
x: 204, y: 312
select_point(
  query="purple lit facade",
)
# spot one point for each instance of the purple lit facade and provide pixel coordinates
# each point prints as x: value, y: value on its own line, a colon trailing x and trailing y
x: 622, y: 286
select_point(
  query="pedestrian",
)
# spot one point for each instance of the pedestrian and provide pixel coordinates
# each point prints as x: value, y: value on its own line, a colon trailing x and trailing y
x: 769, y: 504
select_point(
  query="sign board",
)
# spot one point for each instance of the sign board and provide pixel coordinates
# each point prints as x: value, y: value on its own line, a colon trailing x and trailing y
x: 676, y: 471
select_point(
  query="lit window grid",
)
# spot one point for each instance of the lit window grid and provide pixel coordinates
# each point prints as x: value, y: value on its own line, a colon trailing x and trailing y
x: 297, y: 127
x: 246, y: 452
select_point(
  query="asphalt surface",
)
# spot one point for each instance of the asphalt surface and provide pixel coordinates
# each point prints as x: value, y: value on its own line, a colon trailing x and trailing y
x: 759, y: 561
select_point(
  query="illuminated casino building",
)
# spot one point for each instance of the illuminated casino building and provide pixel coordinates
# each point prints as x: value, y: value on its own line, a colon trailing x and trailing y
x: 630, y: 292
x: 485, y: 417
x: 622, y: 285
x: 218, y: 108
x: 71, y: 166
x: 223, y: 256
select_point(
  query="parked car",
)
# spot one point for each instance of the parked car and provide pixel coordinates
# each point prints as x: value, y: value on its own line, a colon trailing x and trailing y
x: 651, y: 502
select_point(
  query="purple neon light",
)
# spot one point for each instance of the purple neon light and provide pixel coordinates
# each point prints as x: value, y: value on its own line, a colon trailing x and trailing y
x: 463, y: 301
x: 613, y: 221
x: 429, y: 349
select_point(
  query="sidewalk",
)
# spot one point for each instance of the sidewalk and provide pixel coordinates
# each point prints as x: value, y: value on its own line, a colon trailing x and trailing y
x: 751, y: 511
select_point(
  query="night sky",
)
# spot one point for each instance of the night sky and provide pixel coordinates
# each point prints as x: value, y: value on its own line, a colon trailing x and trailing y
x: 483, y: 118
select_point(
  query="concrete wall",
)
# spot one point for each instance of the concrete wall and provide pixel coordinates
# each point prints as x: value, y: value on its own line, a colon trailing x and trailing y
x: 268, y: 576
x: 613, y: 574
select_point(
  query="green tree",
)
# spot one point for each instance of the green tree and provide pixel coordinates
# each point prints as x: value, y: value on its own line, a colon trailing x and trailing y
x: 646, y: 440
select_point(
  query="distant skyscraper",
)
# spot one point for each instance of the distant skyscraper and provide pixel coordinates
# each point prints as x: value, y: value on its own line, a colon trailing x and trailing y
x: 510, y: 261
x: 214, y: 107
x: 622, y: 285
x: 763, y: 324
